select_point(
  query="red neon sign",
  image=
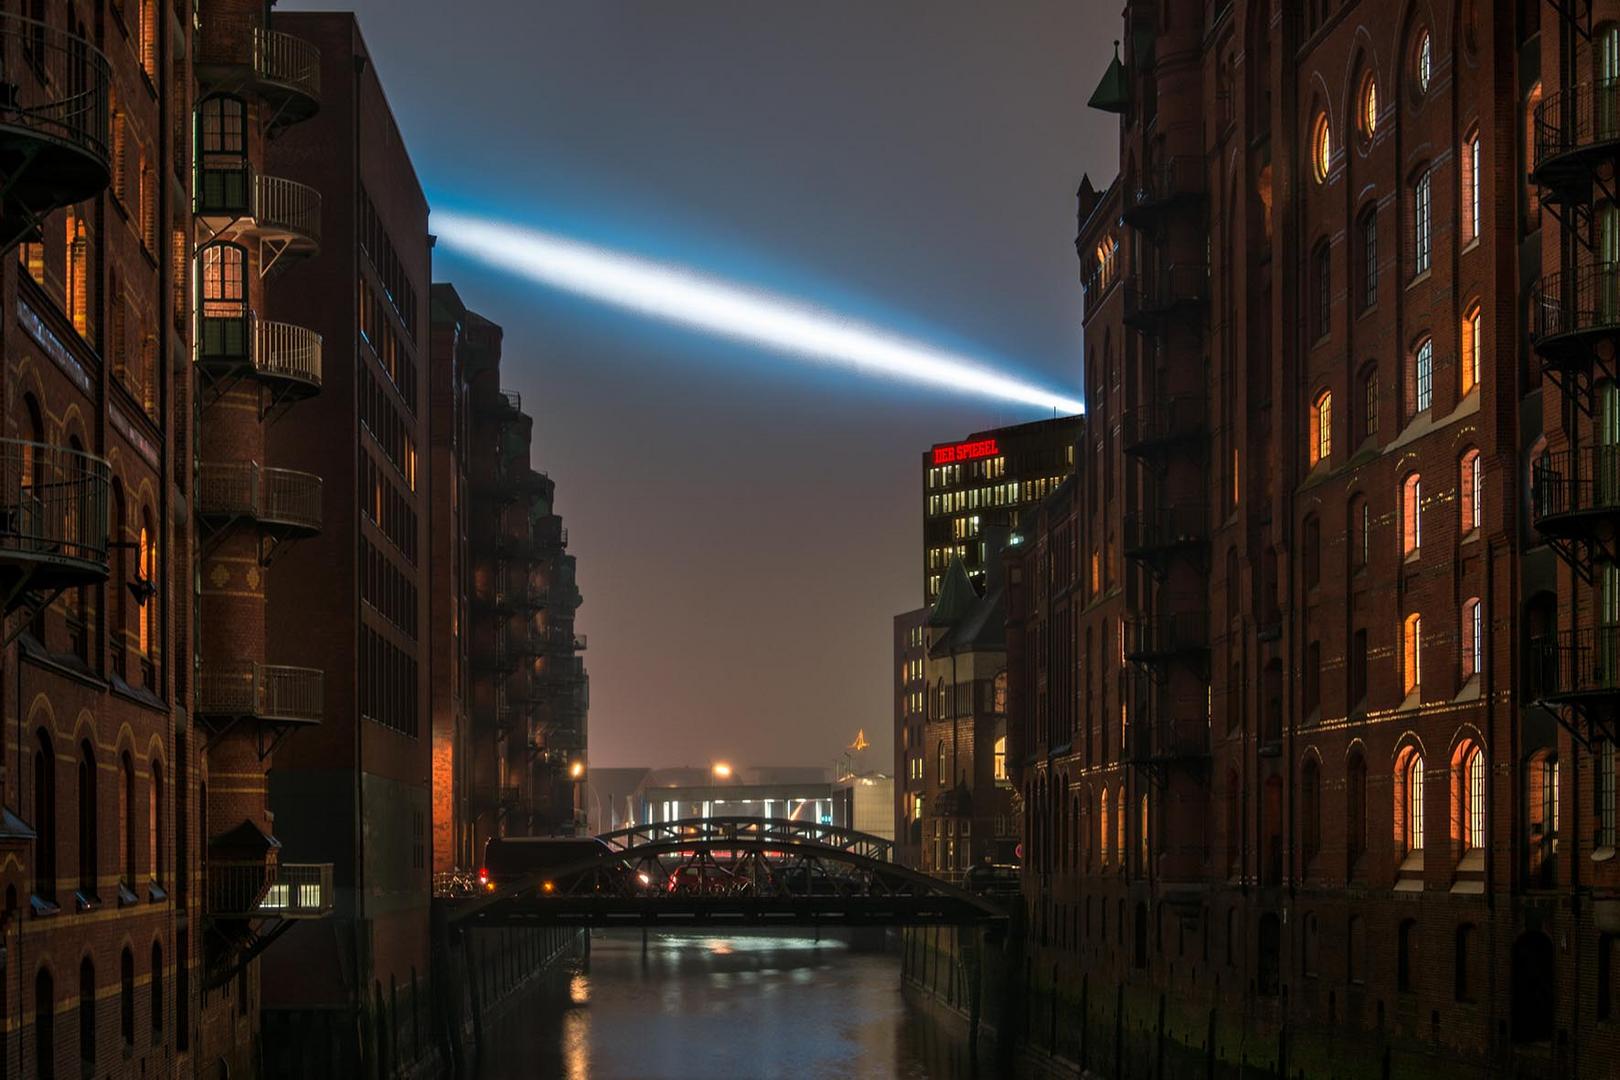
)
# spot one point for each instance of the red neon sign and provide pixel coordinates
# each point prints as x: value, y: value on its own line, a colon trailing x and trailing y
x: 950, y: 453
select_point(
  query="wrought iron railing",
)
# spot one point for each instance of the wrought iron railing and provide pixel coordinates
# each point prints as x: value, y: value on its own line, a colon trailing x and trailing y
x: 1164, y: 420
x: 1575, y: 662
x: 284, y: 496
x: 53, y: 503
x: 1157, y: 529
x: 242, y: 40
x: 1576, y: 482
x: 1158, y: 291
x: 292, y: 352
x: 1582, y: 116
x: 1181, y: 176
x: 265, y: 691
x: 55, y: 84
x: 1585, y: 299
x: 1183, y: 632
x: 272, y: 201
x: 266, y: 890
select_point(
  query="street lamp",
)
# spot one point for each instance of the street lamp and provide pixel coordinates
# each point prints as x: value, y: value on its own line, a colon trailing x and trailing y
x: 722, y: 771
x: 576, y: 770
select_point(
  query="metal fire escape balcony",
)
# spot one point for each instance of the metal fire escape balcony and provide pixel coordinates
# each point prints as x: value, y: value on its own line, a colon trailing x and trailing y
x: 1176, y: 183
x: 235, y: 203
x: 53, y: 522
x: 1576, y: 327
x: 54, y: 124
x: 1166, y: 426
x: 284, y: 504
x: 1575, y: 504
x: 237, y: 54
x: 1580, y: 670
x: 1155, y: 643
x: 1155, y: 537
x: 284, y: 358
x: 1159, y: 298
x: 1577, y: 145
x: 1161, y: 734
x: 504, y: 406
x: 275, y: 698
x: 275, y: 890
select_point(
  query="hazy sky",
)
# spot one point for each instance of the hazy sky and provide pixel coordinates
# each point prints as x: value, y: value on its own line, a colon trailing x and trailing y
x: 747, y: 526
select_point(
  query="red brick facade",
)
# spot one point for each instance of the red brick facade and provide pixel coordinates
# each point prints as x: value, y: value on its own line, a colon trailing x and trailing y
x: 1333, y: 779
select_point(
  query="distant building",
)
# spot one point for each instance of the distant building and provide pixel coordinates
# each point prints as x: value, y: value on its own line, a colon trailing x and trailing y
x: 865, y: 802
x: 983, y: 481
x: 910, y: 658
x: 969, y: 812
x: 803, y: 793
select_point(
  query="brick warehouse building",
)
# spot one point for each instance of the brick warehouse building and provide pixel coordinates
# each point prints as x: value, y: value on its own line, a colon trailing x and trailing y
x: 1334, y: 782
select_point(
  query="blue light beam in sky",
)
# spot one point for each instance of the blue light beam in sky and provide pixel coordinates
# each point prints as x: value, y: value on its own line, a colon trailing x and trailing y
x: 679, y: 295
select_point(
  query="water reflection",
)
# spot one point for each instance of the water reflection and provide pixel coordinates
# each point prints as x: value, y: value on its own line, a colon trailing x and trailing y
x: 704, y: 1007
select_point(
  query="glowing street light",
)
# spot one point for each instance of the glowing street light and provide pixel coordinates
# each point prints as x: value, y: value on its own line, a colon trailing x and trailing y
x: 722, y: 771
x: 576, y: 770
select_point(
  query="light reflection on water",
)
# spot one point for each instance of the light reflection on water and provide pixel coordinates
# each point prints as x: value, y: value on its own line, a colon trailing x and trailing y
x: 704, y: 1007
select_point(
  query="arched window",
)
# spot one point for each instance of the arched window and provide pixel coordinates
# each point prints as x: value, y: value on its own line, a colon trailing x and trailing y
x: 1000, y: 757
x: 157, y: 992
x: 1473, y: 638
x: 154, y: 825
x: 44, y: 1025
x: 1321, y: 427
x: 87, y: 1016
x: 1367, y: 105
x: 1532, y: 104
x: 1472, y: 347
x: 126, y: 997
x: 1310, y: 798
x: 1119, y: 826
x: 126, y: 821
x: 1412, y: 653
x: 1369, y: 401
x: 939, y: 763
x: 224, y: 283
x: 80, y: 266
x: 1422, y: 226
x: 1321, y: 146
x: 1423, y: 61
x: 222, y: 128
x: 1472, y: 221
x: 147, y: 569
x: 1142, y: 827
x: 1468, y: 809
x: 1102, y: 829
x: 1355, y: 808
x: 1471, y: 488
x: 44, y: 818
x: 1409, y: 800
x: 1420, y: 380
x: 1411, y: 514
x: 1367, y: 233
x: 88, y: 832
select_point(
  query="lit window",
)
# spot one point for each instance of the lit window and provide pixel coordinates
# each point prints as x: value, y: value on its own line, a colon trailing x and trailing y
x: 1321, y: 146
x: 1369, y: 105
x: 939, y: 771
x: 1000, y: 758
x: 1471, y: 349
x: 1412, y: 653
x: 1470, y: 164
x: 1473, y: 801
x: 1473, y: 639
x: 1102, y: 838
x: 1423, y: 376
x: 1413, y: 791
x: 1421, y: 233
x: 1321, y: 433
x: 1411, y: 514
x: 1423, y: 62
x: 1470, y: 487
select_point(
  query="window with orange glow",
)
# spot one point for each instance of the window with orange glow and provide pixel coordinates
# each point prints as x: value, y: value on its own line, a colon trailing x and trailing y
x: 1411, y: 514
x: 1473, y: 638
x: 1367, y: 111
x: 1471, y: 349
x: 1412, y: 653
x: 1321, y: 146
x: 1321, y: 427
x: 1470, y: 490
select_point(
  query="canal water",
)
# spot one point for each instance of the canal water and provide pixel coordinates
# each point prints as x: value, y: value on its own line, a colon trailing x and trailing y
x: 726, y: 1008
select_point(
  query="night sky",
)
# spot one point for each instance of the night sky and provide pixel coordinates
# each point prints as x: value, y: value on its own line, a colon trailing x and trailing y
x: 746, y: 526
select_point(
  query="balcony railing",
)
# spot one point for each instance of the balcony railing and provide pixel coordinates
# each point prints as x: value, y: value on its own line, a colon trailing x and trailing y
x: 1152, y: 534
x: 1152, y: 298
x: 272, y: 203
x: 274, y: 497
x: 1158, y: 639
x: 266, y: 890
x: 1574, y: 128
x: 1576, y: 664
x: 54, y: 119
x: 1573, y: 308
x: 1163, y: 423
x: 505, y: 404
x: 1171, y: 181
x: 1577, y: 491
x: 275, y: 350
x: 284, y: 68
x: 262, y: 691
x: 53, y: 513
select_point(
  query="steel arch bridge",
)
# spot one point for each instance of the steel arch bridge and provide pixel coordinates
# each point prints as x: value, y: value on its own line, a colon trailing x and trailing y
x: 723, y: 872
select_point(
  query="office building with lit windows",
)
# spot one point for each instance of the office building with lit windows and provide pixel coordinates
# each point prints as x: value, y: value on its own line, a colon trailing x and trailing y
x: 982, y: 481
x: 910, y: 660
